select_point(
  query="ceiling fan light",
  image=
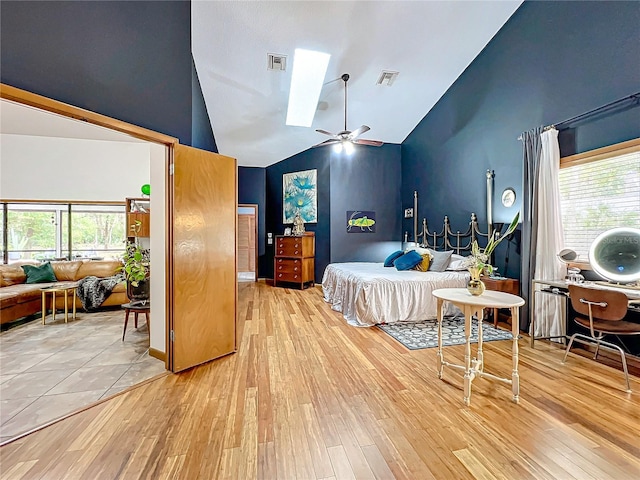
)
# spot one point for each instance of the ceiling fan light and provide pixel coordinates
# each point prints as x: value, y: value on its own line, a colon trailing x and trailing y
x: 309, y: 69
x: 337, y: 147
x: 348, y: 148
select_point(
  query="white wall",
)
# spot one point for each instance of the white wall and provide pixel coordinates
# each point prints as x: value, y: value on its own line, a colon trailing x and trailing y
x: 48, y: 168
x: 158, y: 247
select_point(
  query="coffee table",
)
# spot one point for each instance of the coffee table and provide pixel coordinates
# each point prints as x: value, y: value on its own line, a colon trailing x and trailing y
x: 62, y: 288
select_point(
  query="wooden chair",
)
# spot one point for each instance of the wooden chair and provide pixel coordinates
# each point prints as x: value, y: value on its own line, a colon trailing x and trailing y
x: 602, y: 312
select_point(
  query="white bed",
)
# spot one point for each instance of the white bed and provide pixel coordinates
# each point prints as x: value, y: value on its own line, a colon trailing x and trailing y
x: 369, y: 293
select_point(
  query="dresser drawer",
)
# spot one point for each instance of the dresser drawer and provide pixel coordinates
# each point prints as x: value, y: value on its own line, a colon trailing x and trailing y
x: 288, y: 265
x: 288, y: 276
x: 288, y: 249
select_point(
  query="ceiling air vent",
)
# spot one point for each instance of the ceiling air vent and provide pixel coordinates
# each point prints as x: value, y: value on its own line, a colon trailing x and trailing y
x: 275, y: 61
x: 387, y: 78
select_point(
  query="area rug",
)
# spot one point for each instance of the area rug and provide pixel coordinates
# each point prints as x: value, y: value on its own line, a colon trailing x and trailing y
x: 424, y: 334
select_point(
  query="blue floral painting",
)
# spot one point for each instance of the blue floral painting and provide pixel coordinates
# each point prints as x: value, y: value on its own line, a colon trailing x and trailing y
x: 300, y: 194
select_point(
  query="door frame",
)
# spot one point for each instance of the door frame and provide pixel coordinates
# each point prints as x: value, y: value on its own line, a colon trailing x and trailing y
x: 17, y: 95
x: 255, y: 212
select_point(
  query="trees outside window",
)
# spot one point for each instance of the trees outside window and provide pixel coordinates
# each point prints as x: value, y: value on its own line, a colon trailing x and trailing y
x: 42, y: 231
x: 598, y: 194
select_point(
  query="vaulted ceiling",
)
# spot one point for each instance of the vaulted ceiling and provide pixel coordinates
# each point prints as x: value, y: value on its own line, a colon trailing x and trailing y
x: 430, y: 43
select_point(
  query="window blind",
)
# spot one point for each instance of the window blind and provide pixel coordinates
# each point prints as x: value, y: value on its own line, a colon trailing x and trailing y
x: 597, y: 196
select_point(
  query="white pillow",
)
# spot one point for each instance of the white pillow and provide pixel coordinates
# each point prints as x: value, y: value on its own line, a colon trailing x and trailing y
x: 420, y: 250
x: 457, y: 263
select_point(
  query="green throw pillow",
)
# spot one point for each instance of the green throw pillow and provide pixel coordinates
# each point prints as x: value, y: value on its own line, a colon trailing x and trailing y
x: 40, y: 273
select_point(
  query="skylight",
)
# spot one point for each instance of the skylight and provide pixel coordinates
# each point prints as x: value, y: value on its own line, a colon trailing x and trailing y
x: 309, y: 69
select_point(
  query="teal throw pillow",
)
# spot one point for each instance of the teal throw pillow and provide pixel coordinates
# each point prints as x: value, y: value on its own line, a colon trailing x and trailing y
x: 391, y: 258
x: 39, y: 273
x: 408, y: 260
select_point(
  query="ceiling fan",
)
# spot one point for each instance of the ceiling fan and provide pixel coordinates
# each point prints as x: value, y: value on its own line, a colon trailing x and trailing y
x: 345, y: 139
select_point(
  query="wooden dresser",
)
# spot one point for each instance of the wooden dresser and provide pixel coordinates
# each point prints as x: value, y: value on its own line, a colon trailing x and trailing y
x: 507, y: 285
x: 294, y: 260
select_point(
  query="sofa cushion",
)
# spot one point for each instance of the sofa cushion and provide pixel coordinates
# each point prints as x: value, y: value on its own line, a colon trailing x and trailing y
x: 66, y: 271
x: 12, y: 275
x: 98, y: 268
x: 40, y: 273
x: 20, y: 293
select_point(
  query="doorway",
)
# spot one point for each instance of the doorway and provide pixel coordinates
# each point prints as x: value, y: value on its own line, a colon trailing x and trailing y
x: 247, y: 243
x: 189, y: 337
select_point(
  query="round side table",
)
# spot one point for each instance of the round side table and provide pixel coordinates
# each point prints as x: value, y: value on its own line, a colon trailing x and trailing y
x: 136, y: 309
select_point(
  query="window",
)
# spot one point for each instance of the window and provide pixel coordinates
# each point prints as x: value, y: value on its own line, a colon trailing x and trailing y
x: 31, y: 231
x: 97, y: 231
x: 599, y: 190
x: 42, y: 231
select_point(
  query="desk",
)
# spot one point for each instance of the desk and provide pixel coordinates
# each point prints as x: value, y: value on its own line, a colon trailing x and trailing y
x: 561, y: 287
x: 475, y: 305
x: 66, y: 288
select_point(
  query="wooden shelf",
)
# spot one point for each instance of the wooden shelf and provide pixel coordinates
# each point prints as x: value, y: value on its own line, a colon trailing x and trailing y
x: 134, y: 215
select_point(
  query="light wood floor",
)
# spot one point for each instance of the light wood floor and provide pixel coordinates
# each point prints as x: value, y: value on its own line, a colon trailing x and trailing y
x: 309, y: 397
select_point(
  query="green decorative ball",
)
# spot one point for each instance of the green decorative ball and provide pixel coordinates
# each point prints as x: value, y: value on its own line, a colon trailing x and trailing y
x: 146, y: 189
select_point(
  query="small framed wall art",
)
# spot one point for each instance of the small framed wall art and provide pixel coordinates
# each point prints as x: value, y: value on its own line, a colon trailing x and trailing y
x: 360, y: 221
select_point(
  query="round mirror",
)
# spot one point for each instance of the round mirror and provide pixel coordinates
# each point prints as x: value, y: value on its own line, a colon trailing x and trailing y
x: 615, y: 254
x: 508, y: 197
x: 567, y: 255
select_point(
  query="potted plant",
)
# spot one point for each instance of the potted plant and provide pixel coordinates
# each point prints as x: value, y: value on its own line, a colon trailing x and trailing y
x: 479, y: 260
x: 136, y: 269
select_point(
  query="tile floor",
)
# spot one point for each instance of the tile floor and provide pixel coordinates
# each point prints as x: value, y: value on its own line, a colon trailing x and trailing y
x: 47, y: 371
x: 246, y: 276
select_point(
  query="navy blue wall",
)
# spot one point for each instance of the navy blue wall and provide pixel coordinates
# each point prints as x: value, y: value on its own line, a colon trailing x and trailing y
x: 201, y: 130
x: 252, y: 189
x: 128, y: 60
x: 368, y: 180
x: 551, y: 61
x: 307, y: 160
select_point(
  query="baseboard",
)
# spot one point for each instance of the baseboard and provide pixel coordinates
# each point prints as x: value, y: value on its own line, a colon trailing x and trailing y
x: 158, y: 354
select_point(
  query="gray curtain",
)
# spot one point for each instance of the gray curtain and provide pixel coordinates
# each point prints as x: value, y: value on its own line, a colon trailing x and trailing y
x: 531, y: 148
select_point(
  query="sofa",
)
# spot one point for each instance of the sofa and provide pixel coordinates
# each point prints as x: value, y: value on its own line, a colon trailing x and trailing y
x: 19, y: 299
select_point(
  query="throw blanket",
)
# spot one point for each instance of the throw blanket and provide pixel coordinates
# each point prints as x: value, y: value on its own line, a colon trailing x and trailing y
x: 92, y: 291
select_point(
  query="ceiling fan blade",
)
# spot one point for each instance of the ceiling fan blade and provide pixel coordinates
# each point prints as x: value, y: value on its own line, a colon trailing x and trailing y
x: 326, y: 142
x: 324, y: 132
x: 358, y: 131
x: 373, y: 143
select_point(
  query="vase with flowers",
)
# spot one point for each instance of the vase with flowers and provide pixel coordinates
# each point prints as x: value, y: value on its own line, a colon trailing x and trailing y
x: 479, y: 261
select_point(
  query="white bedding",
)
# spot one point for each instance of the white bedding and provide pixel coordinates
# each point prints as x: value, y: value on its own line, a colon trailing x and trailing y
x: 369, y: 293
